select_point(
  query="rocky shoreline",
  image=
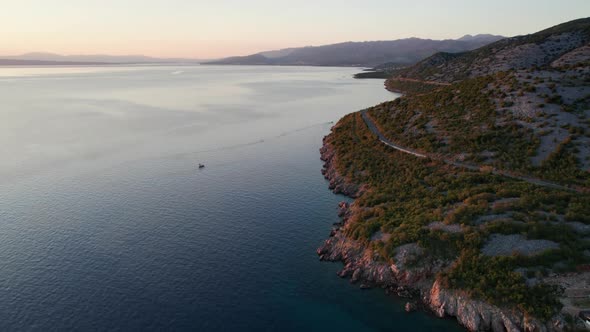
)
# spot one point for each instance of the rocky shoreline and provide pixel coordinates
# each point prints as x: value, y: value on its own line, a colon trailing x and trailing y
x: 411, y: 275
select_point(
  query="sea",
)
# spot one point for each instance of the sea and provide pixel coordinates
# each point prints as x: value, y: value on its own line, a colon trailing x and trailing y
x: 108, y: 224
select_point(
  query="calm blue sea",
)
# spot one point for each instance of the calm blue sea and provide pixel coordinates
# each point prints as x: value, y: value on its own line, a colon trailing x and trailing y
x: 106, y: 223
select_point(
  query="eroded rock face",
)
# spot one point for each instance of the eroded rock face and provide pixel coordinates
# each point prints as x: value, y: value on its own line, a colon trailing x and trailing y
x: 338, y: 183
x: 411, y: 273
x: 359, y: 264
x: 474, y: 315
x: 362, y: 267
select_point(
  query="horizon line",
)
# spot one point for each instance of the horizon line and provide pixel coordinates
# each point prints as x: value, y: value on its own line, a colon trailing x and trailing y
x: 232, y: 55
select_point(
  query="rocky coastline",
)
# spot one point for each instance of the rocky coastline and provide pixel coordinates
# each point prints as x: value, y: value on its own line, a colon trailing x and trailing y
x: 411, y: 274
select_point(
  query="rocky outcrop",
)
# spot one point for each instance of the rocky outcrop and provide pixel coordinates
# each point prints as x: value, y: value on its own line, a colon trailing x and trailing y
x: 480, y: 316
x: 411, y: 273
x: 338, y: 183
x: 410, y: 307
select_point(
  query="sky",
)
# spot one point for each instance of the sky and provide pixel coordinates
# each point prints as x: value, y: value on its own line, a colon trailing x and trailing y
x: 213, y: 29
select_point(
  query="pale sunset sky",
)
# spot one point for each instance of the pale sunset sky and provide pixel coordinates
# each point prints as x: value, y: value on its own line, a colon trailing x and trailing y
x: 211, y: 29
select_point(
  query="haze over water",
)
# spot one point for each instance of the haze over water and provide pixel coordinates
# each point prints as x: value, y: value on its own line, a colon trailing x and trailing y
x: 106, y: 222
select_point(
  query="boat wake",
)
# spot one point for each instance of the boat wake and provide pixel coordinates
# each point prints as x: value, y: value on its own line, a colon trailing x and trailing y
x: 256, y: 142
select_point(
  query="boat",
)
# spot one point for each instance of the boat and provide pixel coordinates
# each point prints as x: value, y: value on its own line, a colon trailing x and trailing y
x: 201, y: 166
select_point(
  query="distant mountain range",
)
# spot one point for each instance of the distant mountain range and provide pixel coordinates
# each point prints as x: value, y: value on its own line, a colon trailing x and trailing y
x: 366, y: 54
x: 393, y: 53
x: 16, y: 62
x: 40, y: 58
x: 481, y: 38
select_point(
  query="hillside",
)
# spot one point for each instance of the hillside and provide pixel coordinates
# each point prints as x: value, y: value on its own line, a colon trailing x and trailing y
x: 522, y: 52
x: 473, y: 189
x: 368, y: 54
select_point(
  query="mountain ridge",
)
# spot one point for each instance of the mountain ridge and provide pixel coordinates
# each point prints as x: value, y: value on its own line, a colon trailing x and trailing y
x: 537, y: 49
x: 368, y: 53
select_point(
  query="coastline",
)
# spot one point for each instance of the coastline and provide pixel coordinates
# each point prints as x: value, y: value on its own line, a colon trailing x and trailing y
x: 404, y: 277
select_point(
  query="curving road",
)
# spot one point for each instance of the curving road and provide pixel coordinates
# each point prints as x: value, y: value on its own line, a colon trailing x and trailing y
x: 371, y: 125
x: 369, y: 122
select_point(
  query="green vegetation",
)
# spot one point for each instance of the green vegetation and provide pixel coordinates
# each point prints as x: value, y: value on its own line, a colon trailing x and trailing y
x: 373, y: 74
x: 409, y: 86
x: 562, y: 165
x: 407, y: 194
x: 463, y: 119
x: 494, y: 280
x: 530, y: 121
x: 458, y: 119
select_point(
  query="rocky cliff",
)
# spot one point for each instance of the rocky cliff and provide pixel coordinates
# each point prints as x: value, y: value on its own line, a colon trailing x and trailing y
x: 410, y: 273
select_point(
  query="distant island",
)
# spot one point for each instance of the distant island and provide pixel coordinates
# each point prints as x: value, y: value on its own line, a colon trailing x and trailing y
x: 472, y: 190
x: 51, y: 59
x: 401, y: 52
x: 16, y: 62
